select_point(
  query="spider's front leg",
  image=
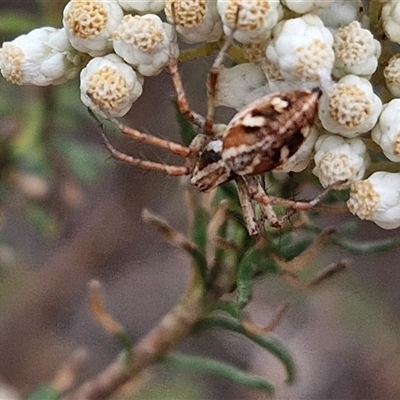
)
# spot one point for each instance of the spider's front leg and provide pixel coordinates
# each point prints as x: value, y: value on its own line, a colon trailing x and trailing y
x: 250, y: 220
x: 181, y: 99
x: 254, y: 191
x: 258, y: 194
x: 172, y: 170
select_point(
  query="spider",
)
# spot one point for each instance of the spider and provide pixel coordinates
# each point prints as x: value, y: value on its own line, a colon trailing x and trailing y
x: 259, y: 138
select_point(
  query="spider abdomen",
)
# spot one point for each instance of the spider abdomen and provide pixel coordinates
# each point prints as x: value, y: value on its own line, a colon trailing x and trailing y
x: 268, y: 131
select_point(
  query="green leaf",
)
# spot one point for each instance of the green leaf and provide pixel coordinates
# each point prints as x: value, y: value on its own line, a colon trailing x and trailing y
x: 43, y: 392
x: 125, y: 342
x: 291, y: 251
x: 244, y: 277
x: 268, y: 342
x: 14, y: 23
x: 85, y: 160
x: 229, y: 308
x: 199, y: 234
x: 356, y: 247
x: 41, y: 219
x: 213, y: 367
x: 369, y: 247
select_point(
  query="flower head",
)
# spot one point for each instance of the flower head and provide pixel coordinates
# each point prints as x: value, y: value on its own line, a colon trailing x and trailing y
x: 339, y: 159
x: 387, y: 131
x: 377, y: 199
x: 356, y: 51
x: 254, y: 20
x: 392, y: 75
x: 239, y: 85
x: 340, y: 13
x: 142, y: 6
x: 303, y: 7
x: 42, y: 57
x: 391, y: 20
x: 302, y: 49
x: 144, y: 42
x: 109, y: 86
x: 89, y: 24
x: 196, y: 20
x: 350, y: 107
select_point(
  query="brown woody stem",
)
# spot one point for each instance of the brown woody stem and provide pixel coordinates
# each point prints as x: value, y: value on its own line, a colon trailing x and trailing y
x: 175, y: 326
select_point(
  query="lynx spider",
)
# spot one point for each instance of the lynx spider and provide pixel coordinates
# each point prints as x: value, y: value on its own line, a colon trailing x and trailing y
x: 259, y: 138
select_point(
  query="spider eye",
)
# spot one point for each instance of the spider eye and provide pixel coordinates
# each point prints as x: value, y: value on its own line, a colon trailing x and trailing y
x: 208, y: 157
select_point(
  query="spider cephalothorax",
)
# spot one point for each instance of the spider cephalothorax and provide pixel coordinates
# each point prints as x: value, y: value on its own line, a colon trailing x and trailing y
x: 259, y: 138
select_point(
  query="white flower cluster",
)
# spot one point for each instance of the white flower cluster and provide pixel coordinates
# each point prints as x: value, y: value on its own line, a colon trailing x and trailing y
x: 114, y: 44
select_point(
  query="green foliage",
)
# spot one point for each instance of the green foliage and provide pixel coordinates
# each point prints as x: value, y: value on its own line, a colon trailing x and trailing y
x: 267, y: 341
x: 43, y: 392
x: 218, y: 368
x: 16, y: 23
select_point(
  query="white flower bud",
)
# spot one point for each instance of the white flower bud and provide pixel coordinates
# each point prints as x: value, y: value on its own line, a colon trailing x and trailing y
x: 255, y: 20
x: 302, y: 49
x: 377, y: 199
x: 349, y: 107
x: 386, y: 132
x: 196, y: 20
x: 301, y: 158
x: 144, y: 42
x: 42, y: 57
x: 340, y: 13
x: 339, y: 159
x: 390, y: 17
x: 237, y: 85
x: 303, y: 7
x: 142, y: 6
x: 109, y: 86
x: 392, y: 75
x: 89, y: 24
x: 356, y: 51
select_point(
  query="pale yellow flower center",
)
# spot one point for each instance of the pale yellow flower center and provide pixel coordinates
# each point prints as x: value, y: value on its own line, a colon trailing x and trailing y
x: 11, y: 58
x: 392, y: 71
x: 396, y: 144
x: 187, y: 13
x: 348, y: 105
x: 313, y: 58
x: 108, y: 88
x: 335, y: 168
x: 141, y: 32
x: 352, y: 44
x: 363, y: 199
x: 86, y: 18
x: 251, y: 13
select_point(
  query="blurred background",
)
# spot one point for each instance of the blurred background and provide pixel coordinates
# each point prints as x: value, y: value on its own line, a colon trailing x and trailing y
x: 68, y: 214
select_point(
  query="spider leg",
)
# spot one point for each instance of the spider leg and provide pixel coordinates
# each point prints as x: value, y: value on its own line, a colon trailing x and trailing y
x: 212, y: 85
x: 257, y: 193
x: 118, y: 155
x: 182, y: 101
x: 212, y: 81
x: 291, y: 204
x: 255, y: 190
x: 247, y: 208
x: 175, y: 148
